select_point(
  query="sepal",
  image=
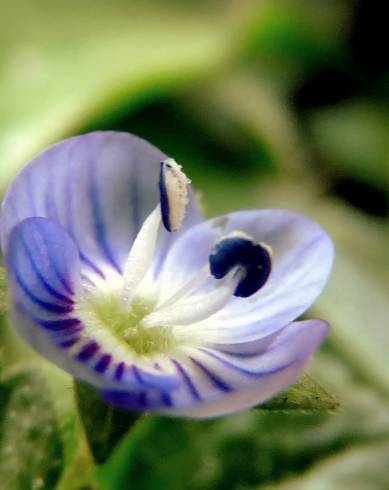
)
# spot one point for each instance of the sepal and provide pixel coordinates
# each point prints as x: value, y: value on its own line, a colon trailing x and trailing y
x: 307, y: 395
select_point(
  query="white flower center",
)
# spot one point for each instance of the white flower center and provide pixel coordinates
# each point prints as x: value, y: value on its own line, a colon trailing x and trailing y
x: 126, y: 324
x: 128, y: 310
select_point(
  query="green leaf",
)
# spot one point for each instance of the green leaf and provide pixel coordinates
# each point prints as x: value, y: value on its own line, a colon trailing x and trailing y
x: 104, y: 425
x: 356, y: 304
x: 352, y: 138
x: 292, y: 32
x: 63, y: 67
x: 306, y: 395
x: 79, y: 469
x: 235, y: 109
x: 252, y: 447
x: 359, y: 468
x: 30, y: 444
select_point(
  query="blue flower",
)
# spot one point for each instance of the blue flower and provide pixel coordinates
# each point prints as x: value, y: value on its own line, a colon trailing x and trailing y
x: 126, y: 286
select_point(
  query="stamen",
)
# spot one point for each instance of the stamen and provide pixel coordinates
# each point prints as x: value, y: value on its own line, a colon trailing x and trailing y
x: 197, y: 308
x: 173, y: 188
x: 141, y: 255
x: 187, y: 288
x: 239, y: 249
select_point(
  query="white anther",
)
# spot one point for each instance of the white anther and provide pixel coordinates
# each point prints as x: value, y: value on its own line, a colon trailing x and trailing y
x: 173, y: 186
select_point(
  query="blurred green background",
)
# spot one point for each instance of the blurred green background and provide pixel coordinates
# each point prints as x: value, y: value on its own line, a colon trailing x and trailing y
x: 266, y: 104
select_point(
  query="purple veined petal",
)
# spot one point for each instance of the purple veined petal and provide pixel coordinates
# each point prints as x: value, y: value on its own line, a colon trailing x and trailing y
x: 216, y: 383
x: 246, y: 348
x: 99, y: 187
x: 302, y: 260
x: 43, y: 266
x: 139, y: 400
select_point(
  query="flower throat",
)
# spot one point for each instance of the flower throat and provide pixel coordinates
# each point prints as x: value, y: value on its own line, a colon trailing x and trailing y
x: 126, y: 324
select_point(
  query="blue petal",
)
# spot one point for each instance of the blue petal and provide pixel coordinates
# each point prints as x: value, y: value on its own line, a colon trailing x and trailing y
x: 217, y: 383
x: 43, y: 267
x: 302, y: 260
x: 138, y: 400
x: 43, y: 274
x: 100, y: 187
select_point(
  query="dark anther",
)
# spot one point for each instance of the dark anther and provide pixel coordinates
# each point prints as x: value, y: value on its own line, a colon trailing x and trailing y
x: 165, y: 207
x: 254, y: 259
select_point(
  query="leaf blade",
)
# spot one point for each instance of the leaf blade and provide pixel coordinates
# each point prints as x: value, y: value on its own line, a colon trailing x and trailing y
x: 307, y: 395
x: 30, y: 444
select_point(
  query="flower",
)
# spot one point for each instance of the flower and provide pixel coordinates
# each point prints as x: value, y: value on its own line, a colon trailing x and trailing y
x: 197, y: 322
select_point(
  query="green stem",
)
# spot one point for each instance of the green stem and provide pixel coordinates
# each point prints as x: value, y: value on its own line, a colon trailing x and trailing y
x: 104, y: 425
x: 3, y: 291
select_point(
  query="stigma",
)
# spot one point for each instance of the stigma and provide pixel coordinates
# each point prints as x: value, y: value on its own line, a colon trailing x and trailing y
x: 239, y: 251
